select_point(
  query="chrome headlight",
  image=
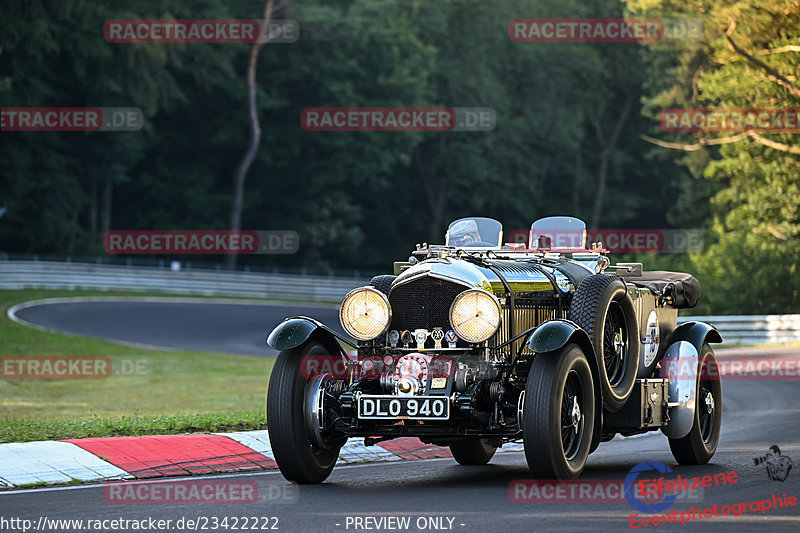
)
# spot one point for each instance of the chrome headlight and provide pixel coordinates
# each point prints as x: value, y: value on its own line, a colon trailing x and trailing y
x: 475, y: 315
x: 365, y: 313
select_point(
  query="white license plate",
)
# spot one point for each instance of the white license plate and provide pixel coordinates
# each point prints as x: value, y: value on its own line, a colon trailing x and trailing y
x: 375, y: 407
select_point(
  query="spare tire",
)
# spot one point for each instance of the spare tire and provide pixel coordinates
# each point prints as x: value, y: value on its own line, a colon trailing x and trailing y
x: 601, y: 306
x: 383, y: 283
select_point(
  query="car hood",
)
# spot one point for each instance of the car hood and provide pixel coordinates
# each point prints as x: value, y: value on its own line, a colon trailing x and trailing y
x: 521, y: 276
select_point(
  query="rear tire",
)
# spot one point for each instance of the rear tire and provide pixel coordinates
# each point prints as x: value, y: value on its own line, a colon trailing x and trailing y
x: 297, y: 458
x: 601, y: 306
x: 700, y: 444
x: 472, y: 452
x: 557, y: 435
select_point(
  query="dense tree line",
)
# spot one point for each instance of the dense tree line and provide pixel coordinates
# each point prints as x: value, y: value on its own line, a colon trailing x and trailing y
x: 567, y: 141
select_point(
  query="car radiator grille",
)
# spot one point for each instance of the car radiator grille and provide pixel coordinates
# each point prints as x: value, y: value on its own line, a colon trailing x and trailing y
x: 529, y: 312
x: 423, y: 304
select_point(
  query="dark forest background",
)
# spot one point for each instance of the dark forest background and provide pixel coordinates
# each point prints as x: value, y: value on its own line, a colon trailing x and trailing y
x: 569, y: 137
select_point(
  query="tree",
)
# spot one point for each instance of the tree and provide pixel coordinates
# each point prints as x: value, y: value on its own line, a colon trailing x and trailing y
x: 255, y: 128
x: 745, y: 60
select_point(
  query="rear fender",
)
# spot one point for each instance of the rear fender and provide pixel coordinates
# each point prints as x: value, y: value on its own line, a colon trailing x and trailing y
x: 679, y: 366
x: 696, y: 333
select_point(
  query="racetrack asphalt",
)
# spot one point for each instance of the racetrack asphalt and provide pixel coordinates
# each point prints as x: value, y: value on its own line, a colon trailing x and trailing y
x: 757, y: 414
x: 197, y: 324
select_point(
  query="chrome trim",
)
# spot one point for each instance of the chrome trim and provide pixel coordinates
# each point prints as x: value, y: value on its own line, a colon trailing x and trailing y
x: 315, y: 410
x: 679, y: 366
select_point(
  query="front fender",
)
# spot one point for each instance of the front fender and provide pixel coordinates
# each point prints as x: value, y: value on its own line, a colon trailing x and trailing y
x: 293, y: 332
x: 555, y: 334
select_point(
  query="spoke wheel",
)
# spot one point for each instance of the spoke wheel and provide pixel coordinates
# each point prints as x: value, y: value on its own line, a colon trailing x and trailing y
x: 615, y: 344
x: 700, y: 444
x: 571, y: 415
x: 601, y: 307
x: 558, y: 413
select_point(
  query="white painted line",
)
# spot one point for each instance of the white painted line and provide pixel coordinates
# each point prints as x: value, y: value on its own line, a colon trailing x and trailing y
x: 354, y: 451
x: 258, y: 441
x: 153, y: 299
x: 512, y: 447
x: 53, y: 462
x: 175, y: 479
x: 12, y: 311
x: 183, y: 478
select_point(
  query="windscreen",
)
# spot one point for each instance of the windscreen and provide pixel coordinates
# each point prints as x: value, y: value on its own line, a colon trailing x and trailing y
x: 558, y: 232
x: 474, y: 232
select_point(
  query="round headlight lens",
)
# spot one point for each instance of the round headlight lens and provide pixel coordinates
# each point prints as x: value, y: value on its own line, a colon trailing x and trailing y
x: 365, y: 313
x: 475, y: 315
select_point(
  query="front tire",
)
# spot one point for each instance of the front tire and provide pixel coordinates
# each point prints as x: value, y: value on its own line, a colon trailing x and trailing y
x: 472, y: 452
x: 298, y: 460
x: 700, y: 444
x: 558, y: 414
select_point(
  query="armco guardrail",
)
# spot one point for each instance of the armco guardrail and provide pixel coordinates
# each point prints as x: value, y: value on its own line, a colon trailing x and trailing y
x: 753, y: 329
x: 747, y: 329
x: 56, y: 275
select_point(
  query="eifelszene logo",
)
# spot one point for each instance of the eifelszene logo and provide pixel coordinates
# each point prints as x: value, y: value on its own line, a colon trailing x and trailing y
x: 630, y: 481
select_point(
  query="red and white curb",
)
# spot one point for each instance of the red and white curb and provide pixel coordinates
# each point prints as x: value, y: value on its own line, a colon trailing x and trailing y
x: 52, y: 462
x: 154, y: 456
x: 119, y: 458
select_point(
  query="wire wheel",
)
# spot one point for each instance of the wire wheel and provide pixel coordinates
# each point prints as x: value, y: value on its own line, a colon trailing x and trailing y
x: 700, y: 444
x: 602, y: 307
x: 572, y: 400
x: 707, y: 408
x: 559, y: 413
x: 615, y: 344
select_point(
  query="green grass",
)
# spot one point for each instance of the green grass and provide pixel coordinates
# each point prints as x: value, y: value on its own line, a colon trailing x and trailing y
x: 182, y: 391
